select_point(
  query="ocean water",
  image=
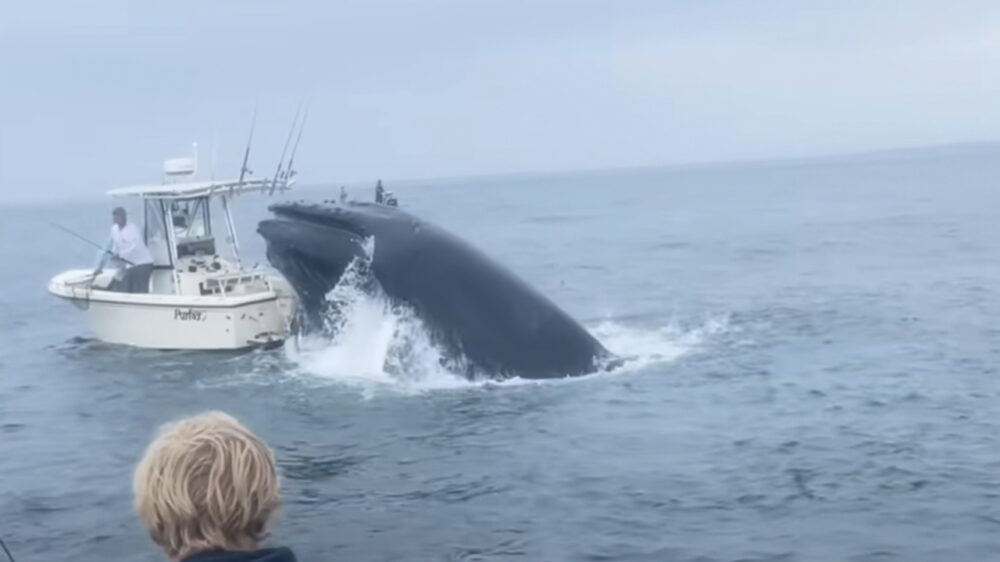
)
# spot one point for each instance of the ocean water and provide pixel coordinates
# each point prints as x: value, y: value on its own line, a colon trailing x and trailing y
x: 815, y: 379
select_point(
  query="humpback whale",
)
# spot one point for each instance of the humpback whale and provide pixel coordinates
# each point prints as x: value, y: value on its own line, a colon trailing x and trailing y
x: 475, y: 308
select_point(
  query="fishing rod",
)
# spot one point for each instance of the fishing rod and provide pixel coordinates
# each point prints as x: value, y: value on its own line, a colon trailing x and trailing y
x: 246, y: 153
x: 291, y: 172
x: 6, y: 551
x: 281, y: 161
x: 91, y: 242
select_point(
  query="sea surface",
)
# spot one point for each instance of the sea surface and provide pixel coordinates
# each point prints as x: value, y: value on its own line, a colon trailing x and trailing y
x: 814, y: 378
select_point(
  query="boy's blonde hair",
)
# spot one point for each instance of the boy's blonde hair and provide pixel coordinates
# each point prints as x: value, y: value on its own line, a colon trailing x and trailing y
x: 205, y: 483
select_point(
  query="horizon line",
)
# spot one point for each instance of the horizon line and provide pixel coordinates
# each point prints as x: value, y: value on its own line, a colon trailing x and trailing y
x: 804, y: 159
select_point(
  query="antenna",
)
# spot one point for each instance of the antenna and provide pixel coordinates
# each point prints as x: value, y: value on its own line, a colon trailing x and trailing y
x: 291, y: 173
x: 277, y: 172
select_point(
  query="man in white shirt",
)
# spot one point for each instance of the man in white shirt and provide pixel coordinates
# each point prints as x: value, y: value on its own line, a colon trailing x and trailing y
x: 127, y: 244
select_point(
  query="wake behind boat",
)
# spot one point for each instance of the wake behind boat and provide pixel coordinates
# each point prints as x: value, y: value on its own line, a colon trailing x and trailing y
x: 196, y: 297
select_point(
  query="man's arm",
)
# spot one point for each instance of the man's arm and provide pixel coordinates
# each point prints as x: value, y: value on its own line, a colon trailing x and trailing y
x: 102, y: 257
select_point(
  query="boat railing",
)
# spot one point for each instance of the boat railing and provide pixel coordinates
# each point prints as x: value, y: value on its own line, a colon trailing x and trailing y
x: 224, y: 284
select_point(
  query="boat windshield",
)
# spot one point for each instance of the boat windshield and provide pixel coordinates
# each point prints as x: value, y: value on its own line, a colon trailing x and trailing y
x: 192, y: 227
x: 155, y: 233
x: 190, y: 218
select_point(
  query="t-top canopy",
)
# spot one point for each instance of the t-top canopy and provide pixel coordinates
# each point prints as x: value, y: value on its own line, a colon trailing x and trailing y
x: 199, y: 189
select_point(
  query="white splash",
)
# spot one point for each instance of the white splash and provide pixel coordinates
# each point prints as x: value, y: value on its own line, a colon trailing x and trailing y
x: 372, y: 344
x: 644, y: 347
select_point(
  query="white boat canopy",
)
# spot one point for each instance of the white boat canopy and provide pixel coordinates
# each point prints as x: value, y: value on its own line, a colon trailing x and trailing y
x: 196, y: 189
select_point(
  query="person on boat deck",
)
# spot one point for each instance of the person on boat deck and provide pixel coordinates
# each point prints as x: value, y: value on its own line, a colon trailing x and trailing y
x: 127, y: 244
x: 206, y: 489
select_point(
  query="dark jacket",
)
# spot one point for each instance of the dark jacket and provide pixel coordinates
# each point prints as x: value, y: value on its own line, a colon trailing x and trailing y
x: 279, y: 554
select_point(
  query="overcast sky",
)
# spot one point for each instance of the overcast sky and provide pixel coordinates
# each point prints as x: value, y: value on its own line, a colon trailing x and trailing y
x: 96, y: 94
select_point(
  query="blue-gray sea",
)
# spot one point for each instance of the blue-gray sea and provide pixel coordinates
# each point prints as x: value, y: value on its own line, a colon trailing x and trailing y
x: 816, y: 378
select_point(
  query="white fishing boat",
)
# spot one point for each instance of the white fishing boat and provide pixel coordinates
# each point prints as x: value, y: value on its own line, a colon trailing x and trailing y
x: 198, y: 297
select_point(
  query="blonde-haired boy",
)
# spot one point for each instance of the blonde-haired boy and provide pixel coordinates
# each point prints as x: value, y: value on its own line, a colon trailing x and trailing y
x: 206, y: 489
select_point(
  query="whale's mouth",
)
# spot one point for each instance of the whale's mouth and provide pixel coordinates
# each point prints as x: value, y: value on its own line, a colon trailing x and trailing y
x: 318, y: 241
x: 324, y: 233
x: 337, y: 218
x: 311, y: 252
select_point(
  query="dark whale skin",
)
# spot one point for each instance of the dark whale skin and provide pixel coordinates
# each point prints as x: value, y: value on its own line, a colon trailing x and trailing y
x: 474, y: 307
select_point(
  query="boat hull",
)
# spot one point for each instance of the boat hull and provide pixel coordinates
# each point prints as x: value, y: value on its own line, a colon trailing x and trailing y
x: 170, y: 322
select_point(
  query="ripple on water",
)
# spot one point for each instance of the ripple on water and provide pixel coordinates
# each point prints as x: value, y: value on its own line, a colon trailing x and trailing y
x: 451, y: 489
x: 315, y: 468
x: 12, y: 427
x: 502, y: 549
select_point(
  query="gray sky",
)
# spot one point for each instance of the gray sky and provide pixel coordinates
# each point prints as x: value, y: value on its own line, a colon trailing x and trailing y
x: 96, y: 94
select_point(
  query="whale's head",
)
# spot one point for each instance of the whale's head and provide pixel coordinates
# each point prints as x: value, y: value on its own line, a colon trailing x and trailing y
x: 312, y: 245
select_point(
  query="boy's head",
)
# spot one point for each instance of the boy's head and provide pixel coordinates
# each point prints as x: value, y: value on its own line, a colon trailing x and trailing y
x: 206, y: 483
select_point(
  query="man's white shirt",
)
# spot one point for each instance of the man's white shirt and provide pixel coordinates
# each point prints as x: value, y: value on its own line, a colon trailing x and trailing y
x: 127, y: 243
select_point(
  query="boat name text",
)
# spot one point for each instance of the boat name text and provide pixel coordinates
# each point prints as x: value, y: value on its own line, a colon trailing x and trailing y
x: 190, y: 315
